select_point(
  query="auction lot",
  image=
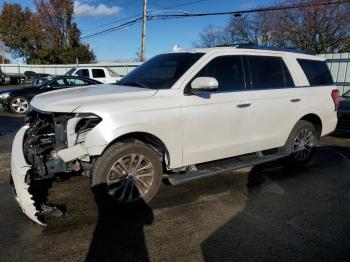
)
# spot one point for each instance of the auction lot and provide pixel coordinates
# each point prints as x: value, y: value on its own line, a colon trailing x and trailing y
x: 269, y: 213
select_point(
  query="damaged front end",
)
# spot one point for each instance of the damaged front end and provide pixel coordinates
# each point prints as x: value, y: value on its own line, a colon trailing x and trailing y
x: 50, y: 144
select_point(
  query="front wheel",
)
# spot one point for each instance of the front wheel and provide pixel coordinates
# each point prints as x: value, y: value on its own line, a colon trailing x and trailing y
x: 19, y: 105
x: 301, y: 142
x: 129, y: 171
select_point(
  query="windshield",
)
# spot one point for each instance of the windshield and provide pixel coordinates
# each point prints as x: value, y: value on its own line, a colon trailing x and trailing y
x: 40, y: 82
x: 161, y: 71
x: 70, y: 72
x: 112, y: 73
x: 347, y: 93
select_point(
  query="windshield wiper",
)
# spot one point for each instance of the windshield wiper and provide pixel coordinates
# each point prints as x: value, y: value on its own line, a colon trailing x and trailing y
x: 135, y: 83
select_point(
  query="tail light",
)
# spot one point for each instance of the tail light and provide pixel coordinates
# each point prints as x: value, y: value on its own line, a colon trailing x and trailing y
x: 335, y: 97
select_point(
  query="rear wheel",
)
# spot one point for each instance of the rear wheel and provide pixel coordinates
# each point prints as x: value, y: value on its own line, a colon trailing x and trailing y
x: 301, y: 142
x: 19, y: 105
x: 128, y: 172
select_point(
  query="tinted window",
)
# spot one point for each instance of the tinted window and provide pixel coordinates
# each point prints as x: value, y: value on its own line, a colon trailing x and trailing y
x: 317, y: 72
x: 98, y: 73
x: 83, y: 72
x: 161, y: 71
x: 227, y: 70
x: 267, y: 72
x: 57, y: 83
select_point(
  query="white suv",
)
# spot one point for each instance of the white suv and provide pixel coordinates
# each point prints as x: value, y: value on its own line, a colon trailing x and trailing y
x: 102, y: 74
x: 183, y: 116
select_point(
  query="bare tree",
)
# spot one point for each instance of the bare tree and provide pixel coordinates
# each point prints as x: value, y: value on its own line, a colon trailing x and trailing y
x: 316, y: 29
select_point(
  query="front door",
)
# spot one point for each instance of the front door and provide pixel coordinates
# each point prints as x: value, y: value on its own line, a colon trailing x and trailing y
x: 218, y: 124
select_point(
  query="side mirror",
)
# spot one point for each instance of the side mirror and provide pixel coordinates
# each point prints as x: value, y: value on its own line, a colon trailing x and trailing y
x: 204, y: 84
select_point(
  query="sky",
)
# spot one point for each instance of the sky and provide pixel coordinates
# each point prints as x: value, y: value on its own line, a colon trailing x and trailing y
x: 161, y: 35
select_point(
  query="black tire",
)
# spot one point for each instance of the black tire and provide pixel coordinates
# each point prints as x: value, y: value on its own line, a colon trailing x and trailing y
x: 22, y: 102
x: 301, y: 157
x: 111, y: 158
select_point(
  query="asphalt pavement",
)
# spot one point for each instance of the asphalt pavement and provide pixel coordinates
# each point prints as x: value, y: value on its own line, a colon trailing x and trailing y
x: 268, y: 213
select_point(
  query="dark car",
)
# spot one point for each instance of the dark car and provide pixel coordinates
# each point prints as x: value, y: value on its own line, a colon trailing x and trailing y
x: 17, y: 99
x: 344, y: 113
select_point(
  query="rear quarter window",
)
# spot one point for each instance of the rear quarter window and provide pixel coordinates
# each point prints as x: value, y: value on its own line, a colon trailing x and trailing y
x: 317, y: 72
x: 98, y: 73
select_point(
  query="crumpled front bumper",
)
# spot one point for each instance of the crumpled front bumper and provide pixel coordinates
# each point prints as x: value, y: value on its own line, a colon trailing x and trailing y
x: 19, y: 170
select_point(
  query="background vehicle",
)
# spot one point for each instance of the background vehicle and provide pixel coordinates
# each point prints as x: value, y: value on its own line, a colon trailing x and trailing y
x: 4, y: 79
x: 102, y: 74
x: 17, y: 99
x: 188, y: 114
x: 344, y: 113
x: 36, y: 78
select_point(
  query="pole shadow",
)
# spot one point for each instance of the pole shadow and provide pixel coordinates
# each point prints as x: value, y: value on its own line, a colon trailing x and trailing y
x: 119, y: 235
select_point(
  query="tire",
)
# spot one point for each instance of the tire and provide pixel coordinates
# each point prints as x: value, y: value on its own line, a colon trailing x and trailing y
x: 19, y: 105
x: 128, y: 172
x: 300, y: 143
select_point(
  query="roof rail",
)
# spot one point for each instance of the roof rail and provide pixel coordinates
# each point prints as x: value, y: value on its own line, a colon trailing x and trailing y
x: 255, y: 46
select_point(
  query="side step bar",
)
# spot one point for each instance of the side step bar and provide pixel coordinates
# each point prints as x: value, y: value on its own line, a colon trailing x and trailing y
x: 222, y: 167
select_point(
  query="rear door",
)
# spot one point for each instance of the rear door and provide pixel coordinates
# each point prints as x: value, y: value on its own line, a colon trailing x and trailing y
x: 275, y: 100
x: 99, y: 74
x: 218, y: 124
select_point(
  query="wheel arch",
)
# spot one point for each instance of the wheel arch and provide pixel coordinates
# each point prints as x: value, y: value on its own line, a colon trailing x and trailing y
x: 149, y: 139
x: 315, y: 120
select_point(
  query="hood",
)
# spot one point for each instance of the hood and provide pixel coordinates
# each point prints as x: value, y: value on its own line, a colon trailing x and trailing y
x: 344, y: 104
x: 67, y: 100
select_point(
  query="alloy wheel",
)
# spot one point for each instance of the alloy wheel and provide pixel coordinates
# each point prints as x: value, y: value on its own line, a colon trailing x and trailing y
x: 130, y: 178
x: 303, y: 144
x: 20, y: 105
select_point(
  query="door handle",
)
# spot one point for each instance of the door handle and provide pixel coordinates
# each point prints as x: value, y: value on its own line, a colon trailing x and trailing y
x: 295, y: 100
x: 244, y: 105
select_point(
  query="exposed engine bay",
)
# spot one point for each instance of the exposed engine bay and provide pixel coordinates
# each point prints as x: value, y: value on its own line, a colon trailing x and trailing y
x: 52, y: 145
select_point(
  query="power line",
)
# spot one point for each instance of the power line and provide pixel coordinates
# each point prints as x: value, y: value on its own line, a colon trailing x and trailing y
x: 256, y: 10
x: 115, y: 28
x: 113, y: 22
x: 239, y: 12
x: 140, y: 14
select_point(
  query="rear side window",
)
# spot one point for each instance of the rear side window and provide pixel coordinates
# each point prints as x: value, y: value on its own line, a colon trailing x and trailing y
x: 83, y: 72
x: 227, y: 70
x: 98, y: 73
x: 268, y: 72
x: 317, y: 72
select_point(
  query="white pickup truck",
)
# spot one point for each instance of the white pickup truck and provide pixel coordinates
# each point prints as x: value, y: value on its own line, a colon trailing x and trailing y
x: 180, y: 116
x: 102, y: 74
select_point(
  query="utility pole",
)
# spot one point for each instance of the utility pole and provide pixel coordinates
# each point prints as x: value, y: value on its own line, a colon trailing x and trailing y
x: 143, y: 37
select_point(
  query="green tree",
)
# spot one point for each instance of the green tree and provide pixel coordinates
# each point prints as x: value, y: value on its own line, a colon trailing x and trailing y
x: 46, y: 36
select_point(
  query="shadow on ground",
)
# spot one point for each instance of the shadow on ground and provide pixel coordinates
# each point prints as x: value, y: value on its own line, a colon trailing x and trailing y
x: 119, y: 234
x: 284, y: 220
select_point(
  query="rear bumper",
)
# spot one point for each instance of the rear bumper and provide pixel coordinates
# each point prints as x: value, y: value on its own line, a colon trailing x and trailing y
x: 19, y: 172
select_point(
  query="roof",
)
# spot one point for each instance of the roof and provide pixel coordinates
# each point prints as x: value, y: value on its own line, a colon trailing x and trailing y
x: 255, y: 49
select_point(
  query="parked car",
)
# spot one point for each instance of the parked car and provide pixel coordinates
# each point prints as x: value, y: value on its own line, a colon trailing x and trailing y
x: 180, y: 116
x: 344, y: 113
x: 17, y: 99
x: 102, y: 74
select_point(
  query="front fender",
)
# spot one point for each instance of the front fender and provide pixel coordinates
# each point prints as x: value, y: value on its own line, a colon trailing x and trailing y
x: 101, y: 137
